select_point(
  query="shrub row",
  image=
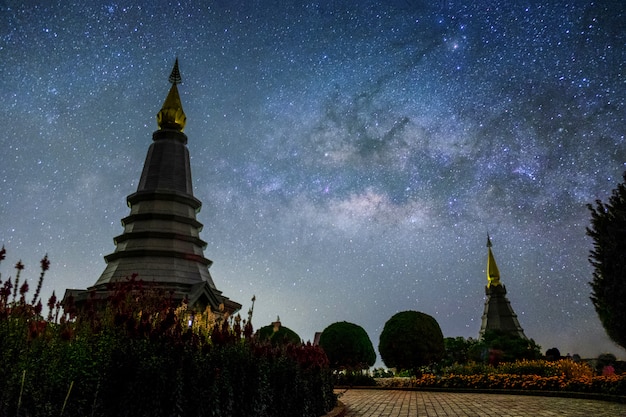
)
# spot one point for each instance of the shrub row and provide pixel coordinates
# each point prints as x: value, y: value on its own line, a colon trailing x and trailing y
x: 609, y: 385
x: 538, y: 375
x: 566, y: 367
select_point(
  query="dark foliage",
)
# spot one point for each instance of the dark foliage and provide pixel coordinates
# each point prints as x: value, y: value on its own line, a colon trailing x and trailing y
x: 278, y: 335
x: 604, y: 360
x: 347, y: 346
x: 457, y: 350
x: 608, y: 257
x: 354, y: 379
x: 497, y: 346
x: 410, y: 340
x: 382, y: 373
x: 553, y: 354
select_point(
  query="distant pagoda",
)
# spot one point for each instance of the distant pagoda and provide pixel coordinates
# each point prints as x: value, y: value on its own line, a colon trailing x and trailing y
x: 498, y: 314
x: 160, y: 243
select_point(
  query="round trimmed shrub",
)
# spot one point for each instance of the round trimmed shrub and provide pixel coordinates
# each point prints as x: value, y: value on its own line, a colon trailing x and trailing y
x: 278, y: 335
x: 410, y: 340
x: 347, y: 346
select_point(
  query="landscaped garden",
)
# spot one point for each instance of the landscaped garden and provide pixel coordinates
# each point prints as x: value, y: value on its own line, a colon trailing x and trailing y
x: 137, y: 353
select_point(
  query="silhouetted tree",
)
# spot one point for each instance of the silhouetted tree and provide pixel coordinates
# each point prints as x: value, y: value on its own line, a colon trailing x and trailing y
x: 553, y: 354
x: 608, y: 257
x: 457, y: 350
x: 278, y: 334
x: 411, y: 339
x: 347, y: 346
x: 604, y: 360
x: 501, y: 346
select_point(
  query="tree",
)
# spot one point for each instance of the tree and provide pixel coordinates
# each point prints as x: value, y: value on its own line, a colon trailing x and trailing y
x: 553, y: 354
x: 608, y: 258
x: 411, y: 339
x: 605, y: 360
x: 278, y: 334
x: 500, y: 346
x: 347, y: 346
x: 457, y: 350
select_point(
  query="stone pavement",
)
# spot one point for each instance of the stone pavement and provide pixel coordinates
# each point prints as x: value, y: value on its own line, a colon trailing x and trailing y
x: 396, y: 403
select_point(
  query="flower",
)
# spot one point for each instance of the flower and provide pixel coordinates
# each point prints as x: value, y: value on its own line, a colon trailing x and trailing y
x: 24, y: 288
x: 45, y: 263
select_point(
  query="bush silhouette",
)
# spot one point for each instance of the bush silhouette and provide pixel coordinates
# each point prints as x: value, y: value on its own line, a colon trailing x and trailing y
x: 278, y: 334
x: 410, y: 340
x: 347, y: 346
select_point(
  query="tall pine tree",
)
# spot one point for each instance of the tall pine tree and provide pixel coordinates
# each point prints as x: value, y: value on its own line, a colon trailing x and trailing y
x: 608, y: 257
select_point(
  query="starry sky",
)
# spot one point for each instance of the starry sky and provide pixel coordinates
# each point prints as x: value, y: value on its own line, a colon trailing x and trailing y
x: 351, y: 157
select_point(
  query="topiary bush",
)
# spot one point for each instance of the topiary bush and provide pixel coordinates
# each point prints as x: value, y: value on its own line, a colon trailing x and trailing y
x: 347, y: 346
x: 410, y: 340
x: 278, y: 334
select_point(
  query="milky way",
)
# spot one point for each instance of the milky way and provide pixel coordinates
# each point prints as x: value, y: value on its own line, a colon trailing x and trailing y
x: 350, y: 159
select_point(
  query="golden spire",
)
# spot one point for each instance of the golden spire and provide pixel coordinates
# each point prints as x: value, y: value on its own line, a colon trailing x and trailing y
x: 171, y: 115
x: 493, y: 275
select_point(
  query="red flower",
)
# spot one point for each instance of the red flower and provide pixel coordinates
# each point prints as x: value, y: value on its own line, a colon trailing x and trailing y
x: 45, y: 263
x: 24, y: 288
x: 3, y: 253
x: 52, y: 301
x: 6, y: 289
x: 36, y: 328
x: 19, y: 265
x: 38, y: 308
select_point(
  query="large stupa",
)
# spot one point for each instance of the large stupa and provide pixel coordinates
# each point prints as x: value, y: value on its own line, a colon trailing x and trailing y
x: 498, y: 314
x: 161, y: 242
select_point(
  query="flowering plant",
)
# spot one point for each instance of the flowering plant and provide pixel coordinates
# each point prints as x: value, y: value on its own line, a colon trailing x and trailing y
x: 537, y: 375
x: 137, y: 353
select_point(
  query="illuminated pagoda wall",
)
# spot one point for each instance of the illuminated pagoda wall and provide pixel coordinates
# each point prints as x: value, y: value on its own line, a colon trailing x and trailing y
x: 161, y: 240
x: 498, y: 313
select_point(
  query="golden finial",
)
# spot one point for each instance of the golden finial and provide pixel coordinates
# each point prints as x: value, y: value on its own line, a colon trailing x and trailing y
x: 175, y: 75
x: 171, y: 115
x: 493, y: 274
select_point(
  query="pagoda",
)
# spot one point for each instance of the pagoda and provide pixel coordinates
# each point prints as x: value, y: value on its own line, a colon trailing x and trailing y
x: 160, y: 243
x: 498, y: 314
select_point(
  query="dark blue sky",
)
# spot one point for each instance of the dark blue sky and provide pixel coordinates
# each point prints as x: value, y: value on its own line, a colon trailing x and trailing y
x: 351, y: 159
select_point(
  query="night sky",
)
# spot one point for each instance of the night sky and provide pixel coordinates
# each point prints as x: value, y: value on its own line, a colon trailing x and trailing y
x: 351, y: 157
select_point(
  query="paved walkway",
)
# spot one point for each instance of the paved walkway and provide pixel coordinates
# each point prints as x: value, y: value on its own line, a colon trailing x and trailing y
x: 391, y: 403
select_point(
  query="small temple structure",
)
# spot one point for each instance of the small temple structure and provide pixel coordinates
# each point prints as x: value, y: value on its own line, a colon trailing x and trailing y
x: 498, y: 314
x: 160, y: 243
